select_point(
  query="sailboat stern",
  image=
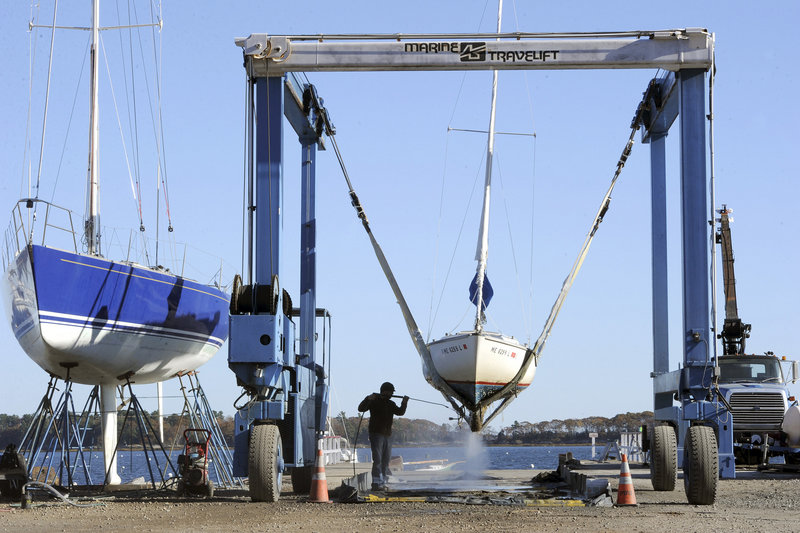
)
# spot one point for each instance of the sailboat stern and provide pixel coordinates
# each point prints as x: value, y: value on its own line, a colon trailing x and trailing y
x: 20, y: 298
x: 478, y: 365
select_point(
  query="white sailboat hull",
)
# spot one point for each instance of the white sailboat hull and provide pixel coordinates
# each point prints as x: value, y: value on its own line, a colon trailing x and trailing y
x: 477, y: 365
x: 145, y: 359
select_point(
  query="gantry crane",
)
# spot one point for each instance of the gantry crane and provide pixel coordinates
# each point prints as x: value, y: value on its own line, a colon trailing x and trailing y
x: 270, y: 59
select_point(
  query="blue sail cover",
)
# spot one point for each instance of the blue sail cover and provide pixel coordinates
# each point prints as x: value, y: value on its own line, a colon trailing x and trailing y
x: 488, y: 292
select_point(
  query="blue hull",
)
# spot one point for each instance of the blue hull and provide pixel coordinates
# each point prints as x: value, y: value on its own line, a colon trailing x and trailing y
x: 110, y: 318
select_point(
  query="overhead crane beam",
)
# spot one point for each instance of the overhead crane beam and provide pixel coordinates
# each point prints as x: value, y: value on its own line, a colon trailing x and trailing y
x: 274, y: 55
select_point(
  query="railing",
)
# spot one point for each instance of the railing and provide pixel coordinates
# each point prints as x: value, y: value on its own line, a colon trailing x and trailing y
x: 57, y: 230
x: 629, y: 443
x: 20, y: 229
x: 334, y: 450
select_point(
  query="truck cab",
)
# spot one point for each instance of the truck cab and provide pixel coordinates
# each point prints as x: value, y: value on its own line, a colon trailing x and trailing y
x: 755, y: 389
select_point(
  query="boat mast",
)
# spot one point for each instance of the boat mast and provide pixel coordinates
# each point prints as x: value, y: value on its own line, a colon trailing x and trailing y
x: 482, y: 253
x: 92, y: 225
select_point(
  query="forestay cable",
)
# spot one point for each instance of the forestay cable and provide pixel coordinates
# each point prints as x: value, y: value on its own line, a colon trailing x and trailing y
x: 428, y: 369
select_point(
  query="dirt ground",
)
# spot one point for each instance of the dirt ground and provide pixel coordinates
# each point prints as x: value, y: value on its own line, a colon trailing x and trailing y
x: 751, y: 502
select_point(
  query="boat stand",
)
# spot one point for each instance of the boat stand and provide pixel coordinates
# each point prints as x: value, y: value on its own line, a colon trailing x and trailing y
x: 148, y: 438
x: 200, y: 415
x: 53, y: 445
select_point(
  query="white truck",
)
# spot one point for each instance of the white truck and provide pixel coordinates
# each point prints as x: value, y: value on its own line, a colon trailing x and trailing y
x: 755, y: 389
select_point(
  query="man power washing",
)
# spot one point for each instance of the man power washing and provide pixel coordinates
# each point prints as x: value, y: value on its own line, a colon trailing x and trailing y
x: 381, y: 410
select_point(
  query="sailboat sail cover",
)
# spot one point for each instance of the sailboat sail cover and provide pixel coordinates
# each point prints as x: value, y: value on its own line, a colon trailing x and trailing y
x: 488, y: 292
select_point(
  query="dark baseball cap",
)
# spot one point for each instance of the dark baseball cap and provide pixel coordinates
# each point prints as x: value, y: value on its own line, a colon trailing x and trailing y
x: 387, y: 386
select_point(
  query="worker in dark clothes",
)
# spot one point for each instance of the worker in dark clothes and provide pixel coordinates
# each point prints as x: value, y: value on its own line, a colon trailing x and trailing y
x: 381, y: 412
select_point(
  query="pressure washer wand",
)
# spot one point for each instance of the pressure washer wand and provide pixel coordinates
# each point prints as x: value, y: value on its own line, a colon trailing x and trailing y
x: 423, y: 401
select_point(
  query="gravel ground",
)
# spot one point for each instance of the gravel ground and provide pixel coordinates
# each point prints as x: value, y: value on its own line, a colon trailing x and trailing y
x: 752, y: 502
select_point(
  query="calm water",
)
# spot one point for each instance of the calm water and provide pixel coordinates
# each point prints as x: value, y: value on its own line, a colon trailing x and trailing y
x: 495, y: 458
x: 132, y: 464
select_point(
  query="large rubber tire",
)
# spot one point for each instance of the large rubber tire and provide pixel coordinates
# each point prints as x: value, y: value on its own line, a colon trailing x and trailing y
x: 265, y: 463
x: 301, y: 479
x: 664, y: 458
x: 700, y: 465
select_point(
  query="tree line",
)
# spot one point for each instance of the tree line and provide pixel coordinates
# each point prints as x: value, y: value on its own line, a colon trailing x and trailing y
x: 13, y: 428
x: 570, y: 431
x: 405, y: 431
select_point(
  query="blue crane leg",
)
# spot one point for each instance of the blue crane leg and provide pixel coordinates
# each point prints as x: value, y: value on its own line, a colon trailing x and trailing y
x: 698, y: 367
x: 269, y: 178
x: 658, y: 200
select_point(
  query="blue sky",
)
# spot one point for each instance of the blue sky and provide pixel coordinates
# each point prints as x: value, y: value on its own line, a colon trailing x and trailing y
x: 392, y: 129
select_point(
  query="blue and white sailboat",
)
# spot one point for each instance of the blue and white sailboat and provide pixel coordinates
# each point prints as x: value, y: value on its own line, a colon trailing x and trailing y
x: 93, y: 320
x: 105, y: 321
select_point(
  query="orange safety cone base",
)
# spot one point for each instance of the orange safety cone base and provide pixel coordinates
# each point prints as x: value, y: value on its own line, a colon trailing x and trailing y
x: 319, y: 496
x: 626, y: 497
x: 319, y: 483
x: 621, y: 497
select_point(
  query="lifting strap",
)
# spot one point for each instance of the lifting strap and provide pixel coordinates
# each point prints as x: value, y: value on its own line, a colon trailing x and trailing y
x: 311, y: 102
x: 509, y: 391
x: 428, y: 369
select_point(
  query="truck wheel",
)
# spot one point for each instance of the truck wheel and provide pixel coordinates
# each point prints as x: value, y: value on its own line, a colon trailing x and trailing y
x: 664, y: 460
x: 700, y: 465
x: 301, y: 479
x: 265, y: 462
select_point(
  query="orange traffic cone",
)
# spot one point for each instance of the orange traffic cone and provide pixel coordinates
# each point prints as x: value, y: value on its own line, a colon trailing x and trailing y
x: 625, y: 494
x: 319, y: 483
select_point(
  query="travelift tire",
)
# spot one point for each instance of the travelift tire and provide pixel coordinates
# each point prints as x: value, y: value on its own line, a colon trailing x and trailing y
x: 700, y: 465
x: 664, y: 458
x: 265, y: 463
